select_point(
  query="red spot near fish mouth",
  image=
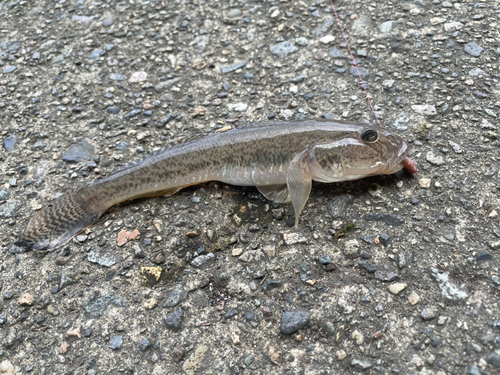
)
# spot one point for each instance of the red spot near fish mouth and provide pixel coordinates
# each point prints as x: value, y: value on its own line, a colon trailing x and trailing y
x: 409, y: 165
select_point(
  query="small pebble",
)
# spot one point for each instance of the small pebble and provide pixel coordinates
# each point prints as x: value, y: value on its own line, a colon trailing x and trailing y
x: 494, y: 359
x: 325, y: 259
x: 10, y: 142
x: 330, y: 267
x: 397, y: 288
x: 283, y: 49
x: 362, y: 71
x: 413, y: 298
x: 327, y: 39
x: 442, y: 320
x: 483, y: 256
x: 233, y: 67
x: 426, y: 110
x: 26, y: 300
x: 428, y: 314
x: 116, y: 342
x: 249, y: 360
x: 176, y: 296
x: 173, y: 320
x: 177, y: 355
x: 231, y: 313
x: 107, y: 22
x: 435, y: 159
x: 270, y: 284
x: 203, y: 260
x: 386, y: 272
x: 144, y: 345
x: 117, y: 77
x: 384, y: 239
x: 293, y: 321
x: 8, y: 69
x: 473, y: 49
x: 301, y: 41
x: 361, y: 364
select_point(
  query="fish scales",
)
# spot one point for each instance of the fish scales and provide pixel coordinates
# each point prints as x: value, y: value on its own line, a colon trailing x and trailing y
x: 280, y: 158
x: 242, y: 151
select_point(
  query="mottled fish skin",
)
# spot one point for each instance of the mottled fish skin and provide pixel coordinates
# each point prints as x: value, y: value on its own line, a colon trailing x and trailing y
x: 280, y: 158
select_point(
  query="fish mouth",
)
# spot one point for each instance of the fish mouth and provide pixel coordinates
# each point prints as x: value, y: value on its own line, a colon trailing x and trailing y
x: 402, y: 161
x: 397, y: 162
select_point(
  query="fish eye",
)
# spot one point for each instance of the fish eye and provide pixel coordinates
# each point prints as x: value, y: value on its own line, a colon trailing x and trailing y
x: 369, y: 136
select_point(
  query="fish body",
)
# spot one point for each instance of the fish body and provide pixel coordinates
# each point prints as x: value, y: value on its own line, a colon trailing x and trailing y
x: 280, y: 158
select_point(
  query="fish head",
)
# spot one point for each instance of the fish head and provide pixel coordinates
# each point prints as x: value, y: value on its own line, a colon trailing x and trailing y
x: 360, y: 151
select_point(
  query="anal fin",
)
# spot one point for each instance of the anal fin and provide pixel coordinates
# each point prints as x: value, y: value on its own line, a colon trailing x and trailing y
x: 276, y: 193
x: 161, y: 193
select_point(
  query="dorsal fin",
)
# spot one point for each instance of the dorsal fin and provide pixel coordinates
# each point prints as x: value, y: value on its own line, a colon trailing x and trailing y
x: 260, y: 124
x: 178, y: 142
x: 188, y: 138
x: 138, y: 161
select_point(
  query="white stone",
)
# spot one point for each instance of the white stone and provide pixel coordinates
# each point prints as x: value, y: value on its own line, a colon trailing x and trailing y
x: 237, y: 107
x: 417, y: 361
x: 413, y: 298
x: 435, y: 159
x: 490, y: 112
x: 427, y: 110
x: 442, y: 320
x: 453, y: 26
x: 456, y: 147
x: 235, y: 338
x: 388, y: 83
x: 397, y: 288
x: 294, y: 238
x: 327, y: 39
x: 6, y: 368
x: 386, y: 27
x: 485, y: 124
x: 341, y: 354
x: 437, y: 20
x: 301, y: 41
x: 237, y: 252
x: 351, y: 248
x: 477, y: 72
x: 252, y: 256
x: 286, y: 114
x: 425, y: 183
x: 358, y: 337
x: 138, y: 77
x: 449, y: 290
x: 269, y: 250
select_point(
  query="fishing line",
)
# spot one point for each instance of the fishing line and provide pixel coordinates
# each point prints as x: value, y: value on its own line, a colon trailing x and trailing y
x: 355, y: 64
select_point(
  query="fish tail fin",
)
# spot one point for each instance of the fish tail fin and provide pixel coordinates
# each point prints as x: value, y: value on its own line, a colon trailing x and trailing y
x: 56, y: 223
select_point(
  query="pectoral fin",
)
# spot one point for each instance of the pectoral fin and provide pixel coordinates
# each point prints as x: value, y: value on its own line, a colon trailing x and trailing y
x: 276, y: 193
x: 299, y: 182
